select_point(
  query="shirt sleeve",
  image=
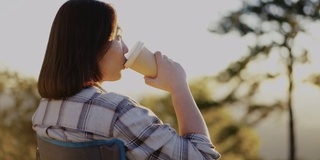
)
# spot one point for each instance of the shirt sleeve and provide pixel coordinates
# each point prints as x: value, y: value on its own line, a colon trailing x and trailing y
x: 146, y: 137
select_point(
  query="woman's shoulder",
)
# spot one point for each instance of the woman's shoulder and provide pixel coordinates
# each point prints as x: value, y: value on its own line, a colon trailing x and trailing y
x: 115, y: 99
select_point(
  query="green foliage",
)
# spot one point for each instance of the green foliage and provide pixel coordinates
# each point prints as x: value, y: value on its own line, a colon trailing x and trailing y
x: 314, y: 79
x: 18, y: 101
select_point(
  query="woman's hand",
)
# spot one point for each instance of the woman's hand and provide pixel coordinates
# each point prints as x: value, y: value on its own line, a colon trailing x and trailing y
x: 171, y: 76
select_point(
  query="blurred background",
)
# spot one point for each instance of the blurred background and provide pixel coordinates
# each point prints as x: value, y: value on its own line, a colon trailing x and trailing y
x: 253, y: 68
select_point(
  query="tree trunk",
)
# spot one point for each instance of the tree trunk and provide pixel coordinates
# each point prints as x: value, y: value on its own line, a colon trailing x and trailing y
x: 292, y: 145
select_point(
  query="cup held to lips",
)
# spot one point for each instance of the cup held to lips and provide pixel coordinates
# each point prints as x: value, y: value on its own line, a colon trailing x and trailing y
x: 141, y: 60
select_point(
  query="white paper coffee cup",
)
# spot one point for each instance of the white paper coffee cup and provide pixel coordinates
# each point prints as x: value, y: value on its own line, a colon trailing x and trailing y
x: 141, y: 60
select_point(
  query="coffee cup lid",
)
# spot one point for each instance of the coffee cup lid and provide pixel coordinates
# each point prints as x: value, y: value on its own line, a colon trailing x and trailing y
x: 133, y: 54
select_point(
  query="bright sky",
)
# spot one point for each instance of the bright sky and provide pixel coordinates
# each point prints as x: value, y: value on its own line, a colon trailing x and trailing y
x: 177, y: 28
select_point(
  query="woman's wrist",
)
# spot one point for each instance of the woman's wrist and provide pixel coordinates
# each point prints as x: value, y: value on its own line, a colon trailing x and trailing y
x: 179, y: 88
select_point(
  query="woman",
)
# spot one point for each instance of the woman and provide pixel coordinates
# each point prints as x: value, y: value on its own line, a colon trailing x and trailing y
x: 85, y: 48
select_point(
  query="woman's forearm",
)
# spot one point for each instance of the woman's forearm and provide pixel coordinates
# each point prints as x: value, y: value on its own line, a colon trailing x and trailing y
x: 188, y: 115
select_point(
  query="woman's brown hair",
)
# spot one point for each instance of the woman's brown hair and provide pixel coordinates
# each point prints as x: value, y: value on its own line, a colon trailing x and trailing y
x: 80, y: 35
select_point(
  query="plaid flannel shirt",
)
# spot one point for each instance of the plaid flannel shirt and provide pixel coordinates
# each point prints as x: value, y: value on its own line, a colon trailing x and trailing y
x: 96, y: 114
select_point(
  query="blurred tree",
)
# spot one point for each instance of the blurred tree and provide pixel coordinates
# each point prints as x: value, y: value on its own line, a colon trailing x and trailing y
x: 18, y: 101
x: 273, y: 25
x: 234, y: 140
x: 314, y: 79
